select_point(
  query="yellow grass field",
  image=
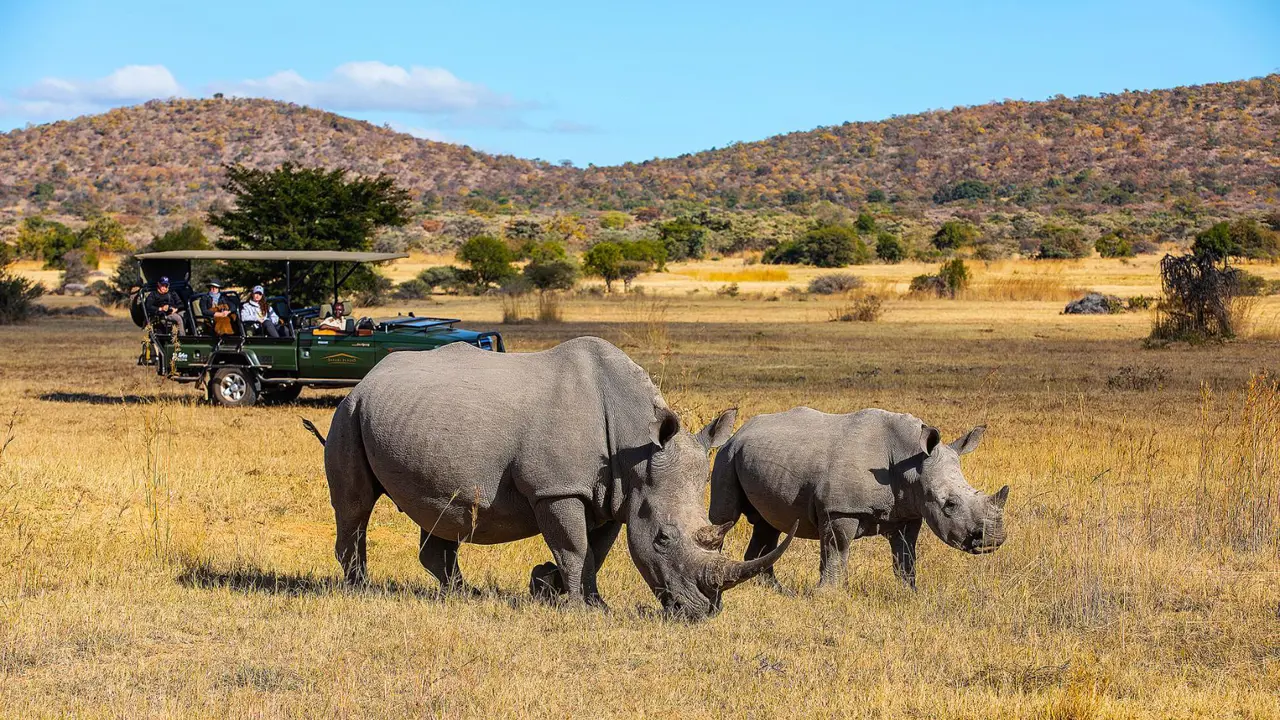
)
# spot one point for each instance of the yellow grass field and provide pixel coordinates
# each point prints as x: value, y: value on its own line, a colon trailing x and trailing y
x: 160, y: 557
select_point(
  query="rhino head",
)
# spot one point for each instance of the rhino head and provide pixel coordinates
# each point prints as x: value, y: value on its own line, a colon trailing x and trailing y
x: 672, y: 543
x: 958, y: 514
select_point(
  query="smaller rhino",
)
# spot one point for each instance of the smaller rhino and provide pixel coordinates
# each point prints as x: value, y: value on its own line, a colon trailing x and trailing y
x: 842, y: 477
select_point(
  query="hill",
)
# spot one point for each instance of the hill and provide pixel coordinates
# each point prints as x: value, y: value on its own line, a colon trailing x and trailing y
x: 1180, y: 151
x: 165, y: 157
x: 1215, y: 141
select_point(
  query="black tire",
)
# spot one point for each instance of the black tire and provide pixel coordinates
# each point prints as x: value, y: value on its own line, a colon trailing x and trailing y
x: 280, y: 394
x: 232, y: 387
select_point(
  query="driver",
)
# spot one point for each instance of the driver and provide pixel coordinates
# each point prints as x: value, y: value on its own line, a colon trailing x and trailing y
x: 165, y: 304
x: 336, y: 321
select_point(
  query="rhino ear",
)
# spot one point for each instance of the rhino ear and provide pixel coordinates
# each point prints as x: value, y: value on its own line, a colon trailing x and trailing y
x: 1001, y: 497
x: 929, y: 438
x: 969, y: 442
x: 664, y: 426
x: 717, y: 432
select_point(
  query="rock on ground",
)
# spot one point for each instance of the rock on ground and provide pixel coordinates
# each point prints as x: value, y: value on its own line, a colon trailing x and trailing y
x: 1094, y: 304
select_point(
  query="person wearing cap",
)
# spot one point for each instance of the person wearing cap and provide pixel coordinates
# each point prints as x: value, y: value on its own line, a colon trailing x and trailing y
x: 258, y: 310
x: 210, y: 301
x: 164, y: 303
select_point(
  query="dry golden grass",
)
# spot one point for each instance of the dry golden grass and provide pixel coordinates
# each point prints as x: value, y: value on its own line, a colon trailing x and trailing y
x: 753, y: 274
x: 160, y: 557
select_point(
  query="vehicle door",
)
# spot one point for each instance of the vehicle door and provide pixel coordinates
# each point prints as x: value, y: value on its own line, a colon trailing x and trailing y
x: 334, y: 356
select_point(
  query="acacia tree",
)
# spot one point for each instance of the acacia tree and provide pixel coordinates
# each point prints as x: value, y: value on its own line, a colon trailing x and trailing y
x: 297, y: 208
x: 604, y: 260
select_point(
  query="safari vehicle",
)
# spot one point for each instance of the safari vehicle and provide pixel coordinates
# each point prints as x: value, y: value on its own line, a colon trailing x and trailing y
x: 245, y: 366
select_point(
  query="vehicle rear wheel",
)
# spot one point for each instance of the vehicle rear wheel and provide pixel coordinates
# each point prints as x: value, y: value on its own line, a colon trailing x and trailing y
x: 232, y: 387
x: 281, y: 394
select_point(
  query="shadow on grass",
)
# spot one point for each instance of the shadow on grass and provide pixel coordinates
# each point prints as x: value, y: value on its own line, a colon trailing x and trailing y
x: 81, y: 398
x: 202, y: 575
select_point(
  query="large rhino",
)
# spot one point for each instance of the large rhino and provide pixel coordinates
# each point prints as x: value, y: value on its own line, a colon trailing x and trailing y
x: 842, y: 477
x: 570, y: 443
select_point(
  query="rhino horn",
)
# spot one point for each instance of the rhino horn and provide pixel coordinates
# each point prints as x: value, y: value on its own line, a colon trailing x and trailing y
x: 711, y: 537
x: 1001, y: 496
x: 728, y: 573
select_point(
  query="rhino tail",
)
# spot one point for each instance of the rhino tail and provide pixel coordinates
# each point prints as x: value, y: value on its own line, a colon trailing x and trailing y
x: 314, y: 431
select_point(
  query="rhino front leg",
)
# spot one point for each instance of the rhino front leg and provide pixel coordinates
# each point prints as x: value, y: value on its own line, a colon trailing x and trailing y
x: 764, y: 540
x: 836, y: 535
x: 902, y: 542
x: 563, y: 522
x: 601, y: 542
x: 440, y: 558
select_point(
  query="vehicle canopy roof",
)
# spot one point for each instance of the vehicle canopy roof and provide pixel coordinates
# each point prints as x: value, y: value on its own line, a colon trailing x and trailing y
x: 176, y: 264
x: 274, y: 255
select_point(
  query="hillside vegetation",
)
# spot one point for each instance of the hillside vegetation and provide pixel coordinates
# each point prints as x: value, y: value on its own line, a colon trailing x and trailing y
x: 1166, y: 160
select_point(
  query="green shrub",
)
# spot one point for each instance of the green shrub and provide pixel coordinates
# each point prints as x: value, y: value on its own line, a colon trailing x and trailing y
x: 954, y: 234
x: 1249, y: 284
x: 889, y: 248
x: 17, y: 297
x: 955, y: 275
x: 443, y: 277
x: 651, y: 252
x: 963, y: 190
x: 1114, y: 245
x: 411, y: 289
x: 604, y: 260
x: 1061, y: 243
x: 552, y: 273
x: 822, y: 246
x: 489, y: 259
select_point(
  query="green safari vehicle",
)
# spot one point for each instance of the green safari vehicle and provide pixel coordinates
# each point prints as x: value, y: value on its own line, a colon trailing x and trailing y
x: 245, y: 366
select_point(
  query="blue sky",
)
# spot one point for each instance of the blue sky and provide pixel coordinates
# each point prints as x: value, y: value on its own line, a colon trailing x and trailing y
x: 606, y: 83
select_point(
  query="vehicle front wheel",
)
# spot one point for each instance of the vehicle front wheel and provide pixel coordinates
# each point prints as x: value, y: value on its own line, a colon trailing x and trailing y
x: 232, y: 387
x: 281, y: 395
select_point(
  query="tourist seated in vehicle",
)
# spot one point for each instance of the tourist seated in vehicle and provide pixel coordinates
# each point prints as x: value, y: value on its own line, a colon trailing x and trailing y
x: 164, y: 304
x: 258, y: 311
x: 215, y: 305
x: 337, y: 322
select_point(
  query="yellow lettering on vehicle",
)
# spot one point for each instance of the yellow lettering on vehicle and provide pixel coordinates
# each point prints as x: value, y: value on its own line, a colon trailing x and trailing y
x: 341, y: 359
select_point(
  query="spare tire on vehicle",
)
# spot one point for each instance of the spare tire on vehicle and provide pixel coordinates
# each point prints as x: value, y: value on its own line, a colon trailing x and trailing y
x: 136, y: 312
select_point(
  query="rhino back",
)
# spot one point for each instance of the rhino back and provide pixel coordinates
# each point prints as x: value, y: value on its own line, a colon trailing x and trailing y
x: 799, y: 465
x: 464, y: 440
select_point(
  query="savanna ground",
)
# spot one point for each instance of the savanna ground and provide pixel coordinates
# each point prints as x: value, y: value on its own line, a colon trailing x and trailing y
x: 162, y: 557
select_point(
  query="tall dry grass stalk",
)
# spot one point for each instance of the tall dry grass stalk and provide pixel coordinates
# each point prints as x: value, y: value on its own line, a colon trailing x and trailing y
x: 1238, y: 502
x: 157, y: 456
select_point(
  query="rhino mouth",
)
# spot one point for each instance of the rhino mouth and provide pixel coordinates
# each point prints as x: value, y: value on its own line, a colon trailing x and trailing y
x: 981, y: 545
x: 674, y: 607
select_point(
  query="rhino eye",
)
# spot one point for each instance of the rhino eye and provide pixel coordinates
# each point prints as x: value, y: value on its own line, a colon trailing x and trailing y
x: 949, y: 507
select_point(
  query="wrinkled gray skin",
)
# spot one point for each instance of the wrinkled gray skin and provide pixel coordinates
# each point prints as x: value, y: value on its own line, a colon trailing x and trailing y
x: 570, y: 443
x: 842, y: 477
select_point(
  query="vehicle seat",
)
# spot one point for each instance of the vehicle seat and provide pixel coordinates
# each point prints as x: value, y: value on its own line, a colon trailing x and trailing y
x: 201, y: 324
x: 326, y: 310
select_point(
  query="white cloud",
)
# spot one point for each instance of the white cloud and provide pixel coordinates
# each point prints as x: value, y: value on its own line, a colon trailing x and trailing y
x: 132, y: 83
x: 375, y: 86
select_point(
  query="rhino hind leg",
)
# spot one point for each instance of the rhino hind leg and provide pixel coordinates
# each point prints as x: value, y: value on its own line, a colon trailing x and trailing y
x: 352, y: 506
x: 764, y: 540
x: 902, y: 543
x: 440, y: 558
